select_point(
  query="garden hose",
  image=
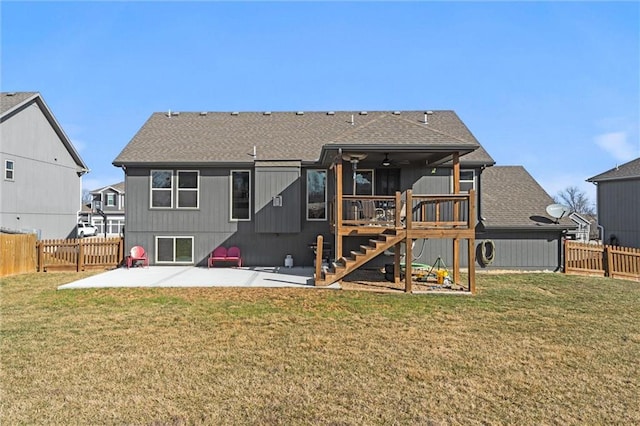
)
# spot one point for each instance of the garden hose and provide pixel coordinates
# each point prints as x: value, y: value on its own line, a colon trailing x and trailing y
x: 487, y: 252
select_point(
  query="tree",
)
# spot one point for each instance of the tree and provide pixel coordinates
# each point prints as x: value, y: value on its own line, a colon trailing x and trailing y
x: 576, y: 199
x: 86, y: 196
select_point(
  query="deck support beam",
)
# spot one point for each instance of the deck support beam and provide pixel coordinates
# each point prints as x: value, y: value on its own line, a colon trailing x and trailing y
x: 338, y: 207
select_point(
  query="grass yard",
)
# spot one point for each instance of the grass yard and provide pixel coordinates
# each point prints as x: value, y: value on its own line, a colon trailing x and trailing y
x: 528, y: 349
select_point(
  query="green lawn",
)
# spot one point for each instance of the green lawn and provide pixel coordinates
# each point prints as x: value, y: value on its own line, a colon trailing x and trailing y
x: 527, y: 349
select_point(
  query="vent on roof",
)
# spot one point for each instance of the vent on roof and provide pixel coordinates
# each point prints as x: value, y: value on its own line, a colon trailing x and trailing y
x: 11, y: 94
x: 203, y: 113
x: 331, y: 113
x: 363, y: 112
x: 427, y: 114
x: 396, y: 112
x: 175, y: 114
x: 266, y: 113
x: 235, y: 113
x: 300, y: 113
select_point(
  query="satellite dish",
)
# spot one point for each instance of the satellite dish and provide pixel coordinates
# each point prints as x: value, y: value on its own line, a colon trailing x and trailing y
x: 557, y: 211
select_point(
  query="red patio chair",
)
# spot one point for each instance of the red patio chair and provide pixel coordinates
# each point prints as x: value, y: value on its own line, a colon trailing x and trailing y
x: 218, y: 255
x: 137, y: 254
x: 234, y: 254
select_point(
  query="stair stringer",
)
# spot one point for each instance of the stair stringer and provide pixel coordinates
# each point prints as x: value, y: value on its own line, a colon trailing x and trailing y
x: 358, y: 259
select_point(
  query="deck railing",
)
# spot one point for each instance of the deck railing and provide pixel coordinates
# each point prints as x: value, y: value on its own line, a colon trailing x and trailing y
x: 441, y: 211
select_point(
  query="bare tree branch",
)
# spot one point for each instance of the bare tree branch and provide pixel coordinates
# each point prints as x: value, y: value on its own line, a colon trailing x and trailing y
x: 576, y: 200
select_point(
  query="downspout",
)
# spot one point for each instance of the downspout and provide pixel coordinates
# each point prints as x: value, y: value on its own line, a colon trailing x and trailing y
x: 561, y: 239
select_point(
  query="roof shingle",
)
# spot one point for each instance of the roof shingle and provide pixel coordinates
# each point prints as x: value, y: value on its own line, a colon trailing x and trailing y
x: 628, y: 170
x: 511, y: 198
x: 230, y: 137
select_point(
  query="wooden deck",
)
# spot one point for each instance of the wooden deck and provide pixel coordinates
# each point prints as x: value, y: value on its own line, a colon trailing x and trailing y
x: 392, y: 220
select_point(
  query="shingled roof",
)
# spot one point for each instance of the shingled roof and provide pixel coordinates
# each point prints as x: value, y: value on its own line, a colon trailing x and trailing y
x: 12, y: 103
x: 119, y: 187
x: 512, y: 199
x: 223, y: 137
x: 10, y: 100
x: 630, y: 170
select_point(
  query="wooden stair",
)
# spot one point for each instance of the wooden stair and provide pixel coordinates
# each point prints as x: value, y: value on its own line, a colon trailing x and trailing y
x: 344, y: 266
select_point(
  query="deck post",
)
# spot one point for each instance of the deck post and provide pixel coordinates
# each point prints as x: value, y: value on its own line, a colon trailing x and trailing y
x: 456, y: 215
x: 396, y: 263
x: 339, y: 213
x: 408, y: 256
x: 472, y: 242
x: 408, y: 279
x: 319, y: 247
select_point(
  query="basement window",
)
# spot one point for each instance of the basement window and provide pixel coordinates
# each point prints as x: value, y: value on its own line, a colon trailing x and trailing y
x: 174, y: 249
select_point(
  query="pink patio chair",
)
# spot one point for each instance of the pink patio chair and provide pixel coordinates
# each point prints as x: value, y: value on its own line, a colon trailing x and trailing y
x: 137, y: 254
x: 234, y: 254
x: 221, y: 254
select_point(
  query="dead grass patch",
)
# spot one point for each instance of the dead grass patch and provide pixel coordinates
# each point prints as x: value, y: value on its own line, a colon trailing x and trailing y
x: 528, y: 349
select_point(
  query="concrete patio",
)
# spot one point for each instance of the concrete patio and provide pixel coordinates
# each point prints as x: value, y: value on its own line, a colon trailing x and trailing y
x: 190, y: 276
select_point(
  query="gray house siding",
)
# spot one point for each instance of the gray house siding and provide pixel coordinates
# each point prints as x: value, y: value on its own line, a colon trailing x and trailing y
x: 523, y: 251
x: 46, y: 191
x: 619, y: 211
x: 277, y: 199
x: 211, y: 226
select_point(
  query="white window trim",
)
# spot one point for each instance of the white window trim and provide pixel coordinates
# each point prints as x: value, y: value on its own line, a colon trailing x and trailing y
x: 373, y: 180
x: 231, y: 172
x: 196, y: 189
x: 12, y: 169
x: 113, y: 197
x: 326, y: 201
x: 465, y: 180
x: 151, y: 189
x: 165, y: 262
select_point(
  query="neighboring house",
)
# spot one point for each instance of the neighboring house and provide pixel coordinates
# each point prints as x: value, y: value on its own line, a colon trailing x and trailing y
x: 270, y: 183
x: 106, y: 210
x: 40, y: 189
x: 618, y: 203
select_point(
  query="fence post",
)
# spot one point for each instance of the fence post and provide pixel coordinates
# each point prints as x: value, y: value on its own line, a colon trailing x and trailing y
x: 121, y: 251
x: 608, y: 261
x: 39, y: 248
x: 80, y: 263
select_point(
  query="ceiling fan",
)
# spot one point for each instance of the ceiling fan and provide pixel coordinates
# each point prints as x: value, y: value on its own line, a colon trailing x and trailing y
x: 386, y: 162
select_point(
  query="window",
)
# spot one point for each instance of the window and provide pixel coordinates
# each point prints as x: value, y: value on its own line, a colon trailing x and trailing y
x: 467, y: 180
x: 99, y: 224
x: 174, y: 249
x: 188, y: 189
x: 240, y: 195
x: 8, y: 169
x: 111, y: 200
x: 115, y: 226
x: 161, y: 188
x: 364, y: 182
x: 316, y: 194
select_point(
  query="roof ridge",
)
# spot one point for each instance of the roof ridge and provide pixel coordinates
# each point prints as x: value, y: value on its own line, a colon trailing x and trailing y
x: 354, y: 128
x: 434, y: 130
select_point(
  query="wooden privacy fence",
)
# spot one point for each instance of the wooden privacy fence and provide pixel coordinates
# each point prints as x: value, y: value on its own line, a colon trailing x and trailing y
x: 79, y: 254
x: 17, y: 254
x: 602, y: 260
